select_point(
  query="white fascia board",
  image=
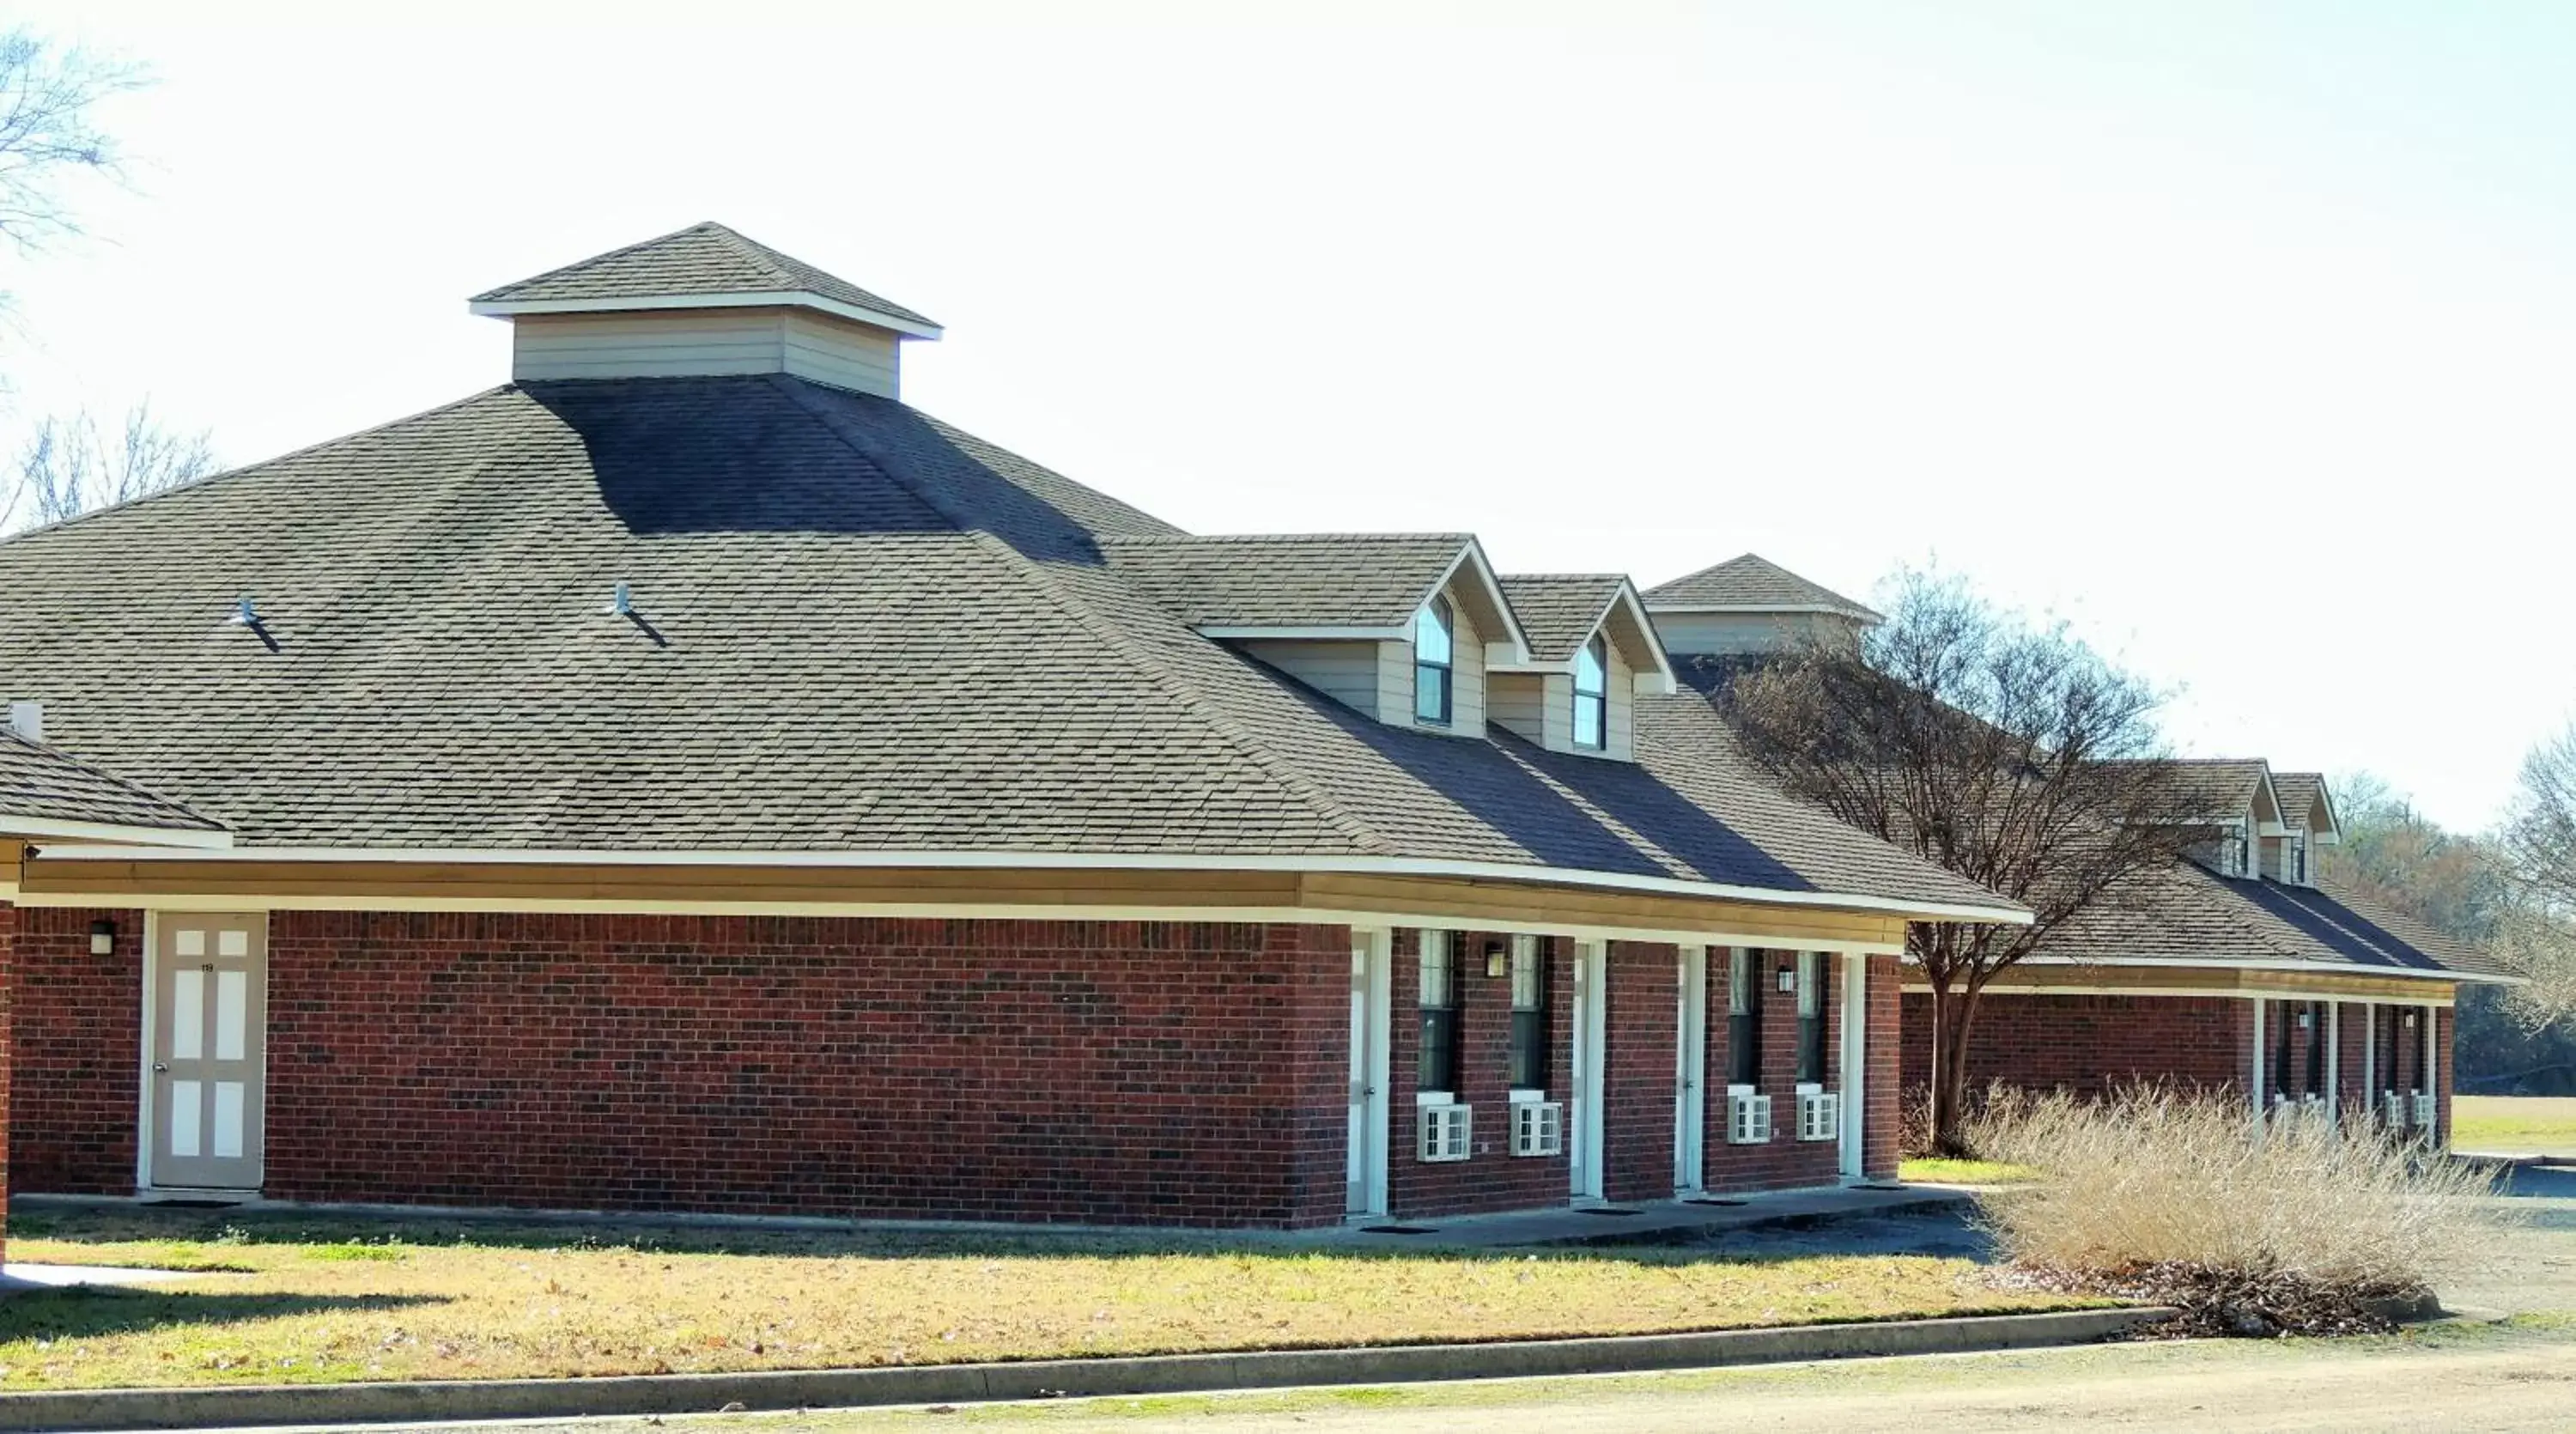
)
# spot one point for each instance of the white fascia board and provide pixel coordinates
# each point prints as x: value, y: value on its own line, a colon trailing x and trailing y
x: 1092, y: 861
x: 1663, y: 666
x: 116, y: 835
x: 771, y: 299
x: 1310, y: 634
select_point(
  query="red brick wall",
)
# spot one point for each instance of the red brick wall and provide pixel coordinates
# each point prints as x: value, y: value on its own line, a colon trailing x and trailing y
x: 1158, y: 1072
x: 1785, y: 1162
x: 1641, y: 1061
x: 8, y: 931
x: 1883, y: 1125
x: 2088, y: 1044
x: 77, y: 1025
x: 2445, y: 1030
x: 2352, y: 1098
x: 1492, y: 1178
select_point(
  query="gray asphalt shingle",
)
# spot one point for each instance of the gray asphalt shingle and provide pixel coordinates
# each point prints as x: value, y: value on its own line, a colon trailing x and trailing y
x: 1751, y: 581
x: 699, y: 260
x: 1559, y: 612
x: 46, y: 785
x: 853, y: 629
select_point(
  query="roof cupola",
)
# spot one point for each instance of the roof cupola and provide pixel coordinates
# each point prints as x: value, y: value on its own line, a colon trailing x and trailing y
x: 703, y: 301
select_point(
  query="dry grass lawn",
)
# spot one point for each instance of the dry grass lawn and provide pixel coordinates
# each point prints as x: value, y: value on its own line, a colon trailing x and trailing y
x: 300, y: 1300
x: 2514, y: 1124
x: 1932, y: 1170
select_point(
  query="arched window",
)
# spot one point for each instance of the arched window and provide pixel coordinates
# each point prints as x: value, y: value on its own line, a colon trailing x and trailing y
x: 1431, y: 659
x: 1592, y: 695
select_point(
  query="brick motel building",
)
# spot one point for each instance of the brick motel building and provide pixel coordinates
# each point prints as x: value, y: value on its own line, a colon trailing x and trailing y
x: 2243, y: 969
x: 685, y: 777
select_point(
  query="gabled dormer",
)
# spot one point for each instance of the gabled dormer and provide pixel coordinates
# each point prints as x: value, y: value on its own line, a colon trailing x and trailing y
x: 2233, y: 800
x: 703, y: 301
x: 1750, y: 605
x: 1397, y: 626
x: 1592, y: 651
x: 2308, y: 822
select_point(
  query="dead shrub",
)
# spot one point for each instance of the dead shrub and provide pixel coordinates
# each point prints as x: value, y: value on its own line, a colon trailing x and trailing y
x: 2179, y: 1198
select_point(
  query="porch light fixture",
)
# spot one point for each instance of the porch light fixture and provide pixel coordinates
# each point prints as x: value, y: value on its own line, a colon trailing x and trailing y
x: 102, y: 938
x: 1494, y: 958
x: 1788, y: 978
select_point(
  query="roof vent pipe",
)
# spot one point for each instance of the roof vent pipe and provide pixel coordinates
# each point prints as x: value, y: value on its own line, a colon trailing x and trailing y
x: 621, y: 603
x: 27, y: 719
x: 244, y: 615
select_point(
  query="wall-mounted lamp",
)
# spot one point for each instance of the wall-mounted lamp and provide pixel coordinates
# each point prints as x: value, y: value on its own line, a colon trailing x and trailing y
x: 2306, y: 1019
x: 102, y: 938
x: 1493, y: 958
x: 1788, y: 978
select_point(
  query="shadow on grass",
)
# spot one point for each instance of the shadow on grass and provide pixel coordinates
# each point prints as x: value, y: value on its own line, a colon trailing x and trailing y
x: 91, y: 1311
x: 206, y: 1236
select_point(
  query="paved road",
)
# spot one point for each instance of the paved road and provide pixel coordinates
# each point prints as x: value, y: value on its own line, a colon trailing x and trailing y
x: 2519, y: 1376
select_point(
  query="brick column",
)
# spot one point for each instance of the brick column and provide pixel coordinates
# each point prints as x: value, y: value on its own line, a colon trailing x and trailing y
x: 8, y: 947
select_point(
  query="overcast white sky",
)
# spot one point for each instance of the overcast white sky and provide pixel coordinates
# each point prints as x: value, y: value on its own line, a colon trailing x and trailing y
x: 2237, y: 334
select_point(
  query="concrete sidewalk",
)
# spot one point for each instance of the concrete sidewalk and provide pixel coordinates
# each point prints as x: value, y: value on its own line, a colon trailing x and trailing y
x: 1659, y: 1221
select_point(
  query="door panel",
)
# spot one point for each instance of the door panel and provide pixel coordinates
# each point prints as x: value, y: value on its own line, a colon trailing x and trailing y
x: 208, y: 1051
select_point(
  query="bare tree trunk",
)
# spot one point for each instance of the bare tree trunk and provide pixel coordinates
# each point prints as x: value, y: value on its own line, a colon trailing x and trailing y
x: 1952, y: 1016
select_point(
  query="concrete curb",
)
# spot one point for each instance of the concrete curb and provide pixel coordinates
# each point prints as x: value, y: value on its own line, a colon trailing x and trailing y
x: 1037, y: 1379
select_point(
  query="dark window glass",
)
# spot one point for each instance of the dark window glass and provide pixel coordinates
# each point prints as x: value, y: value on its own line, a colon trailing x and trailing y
x: 1744, y: 1018
x: 1438, y: 1004
x: 1592, y: 695
x: 1811, y: 1017
x: 1529, y: 1014
x: 2283, y: 1014
x: 1432, y: 654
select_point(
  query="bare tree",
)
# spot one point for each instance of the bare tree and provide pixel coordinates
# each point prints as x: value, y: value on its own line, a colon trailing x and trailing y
x: 68, y: 468
x: 2016, y: 757
x: 2536, y: 934
x: 49, y: 133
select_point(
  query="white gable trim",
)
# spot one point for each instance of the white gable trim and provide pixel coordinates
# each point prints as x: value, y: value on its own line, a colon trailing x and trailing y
x: 195, y: 840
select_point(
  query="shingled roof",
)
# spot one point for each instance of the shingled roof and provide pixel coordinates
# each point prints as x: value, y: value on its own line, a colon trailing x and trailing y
x: 2218, y: 786
x: 2193, y: 915
x: 2300, y: 794
x: 39, y: 785
x: 853, y: 629
x: 699, y: 261
x: 1560, y: 611
x: 1347, y: 580
x: 1755, y: 584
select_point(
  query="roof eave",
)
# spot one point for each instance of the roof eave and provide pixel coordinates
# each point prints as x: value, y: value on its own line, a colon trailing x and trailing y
x: 491, y: 307
x: 116, y: 834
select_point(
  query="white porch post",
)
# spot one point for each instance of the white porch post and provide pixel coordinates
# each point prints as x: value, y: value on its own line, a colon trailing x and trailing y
x: 2259, y: 1086
x: 1854, y: 1155
x: 2334, y: 1063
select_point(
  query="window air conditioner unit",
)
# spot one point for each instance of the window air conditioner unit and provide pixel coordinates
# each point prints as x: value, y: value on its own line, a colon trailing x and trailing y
x: 1748, y: 1118
x: 2392, y: 1109
x: 1538, y: 1127
x: 1445, y: 1131
x: 1820, y: 1115
x: 2427, y: 1111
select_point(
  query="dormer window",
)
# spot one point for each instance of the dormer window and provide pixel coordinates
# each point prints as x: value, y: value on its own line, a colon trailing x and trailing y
x: 1592, y: 695
x: 2294, y: 860
x: 1432, y: 654
x: 2231, y: 854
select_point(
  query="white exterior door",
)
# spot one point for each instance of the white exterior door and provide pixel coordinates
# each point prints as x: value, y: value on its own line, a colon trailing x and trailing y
x: 1690, y: 1091
x: 206, y: 1020
x: 1583, y: 1136
x: 1370, y: 993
